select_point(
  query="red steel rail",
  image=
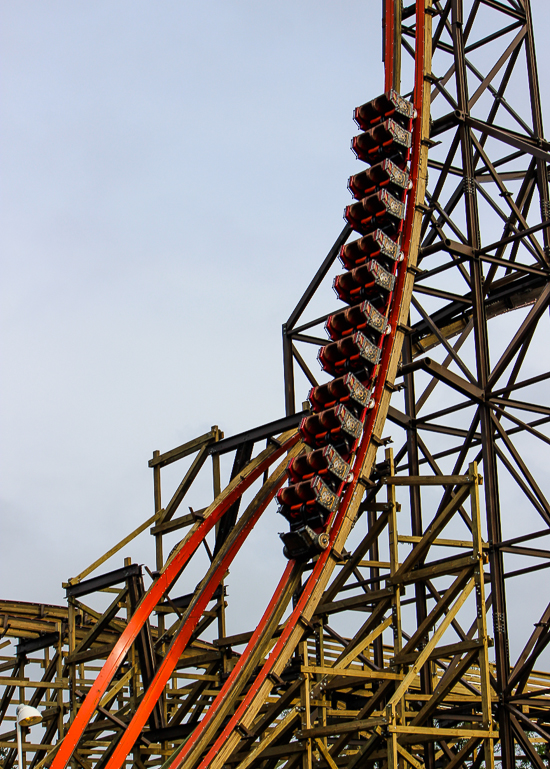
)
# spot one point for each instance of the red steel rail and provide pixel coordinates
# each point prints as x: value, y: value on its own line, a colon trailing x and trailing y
x: 152, y: 597
x: 192, y: 617
x: 320, y: 565
x: 184, y: 752
x: 175, y: 566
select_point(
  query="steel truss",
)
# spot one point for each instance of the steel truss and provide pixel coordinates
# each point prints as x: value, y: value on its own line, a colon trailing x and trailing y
x: 379, y: 651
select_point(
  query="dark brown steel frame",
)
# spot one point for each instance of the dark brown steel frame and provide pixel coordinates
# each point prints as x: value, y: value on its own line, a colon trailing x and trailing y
x: 477, y: 262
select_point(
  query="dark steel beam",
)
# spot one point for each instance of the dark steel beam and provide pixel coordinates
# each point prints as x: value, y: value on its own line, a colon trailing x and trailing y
x: 269, y: 430
x: 108, y: 579
x: 318, y: 278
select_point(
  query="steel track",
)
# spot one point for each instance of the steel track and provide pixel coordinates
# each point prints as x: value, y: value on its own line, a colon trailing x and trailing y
x: 161, y: 586
x: 218, y: 735
x: 324, y: 565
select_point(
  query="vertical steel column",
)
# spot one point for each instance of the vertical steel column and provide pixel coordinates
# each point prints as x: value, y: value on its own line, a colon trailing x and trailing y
x: 483, y: 658
x: 305, y: 696
x: 483, y: 370
x: 374, y: 555
x: 71, y: 621
x: 59, y: 674
x: 397, y: 13
x: 288, y: 373
x: 159, y: 558
x: 396, y: 600
x: 394, y: 557
x: 391, y: 46
x: 416, y: 524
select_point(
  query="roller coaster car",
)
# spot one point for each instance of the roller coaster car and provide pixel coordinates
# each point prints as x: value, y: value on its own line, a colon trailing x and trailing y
x: 387, y: 175
x: 359, y: 317
x: 376, y: 245
x: 304, y: 543
x: 326, y: 463
x: 308, y: 502
x: 317, y: 478
x: 335, y: 425
x: 389, y: 104
x: 378, y: 210
x: 346, y: 390
x: 351, y: 353
x: 368, y: 281
x: 385, y: 140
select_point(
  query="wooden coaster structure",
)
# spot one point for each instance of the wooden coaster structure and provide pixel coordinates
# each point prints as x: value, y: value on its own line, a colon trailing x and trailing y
x: 377, y: 651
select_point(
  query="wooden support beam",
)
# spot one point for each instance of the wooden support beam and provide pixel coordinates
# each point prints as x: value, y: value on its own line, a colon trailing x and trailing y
x: 324, y: 752
x: 427, y: 650
x: 449, y: 650
x: 440, y: 608
x: 439, y: 732
x: 357, y: 601
x: 177, y: 523
x: 428, y: 572
x: 62, y: 683
x: 433, y: 530
x: 95, y: 631
x: 462, y: 543
x: 356, y: 649
x: 190, y: 447
x: 166, y: 514
x: 356, y: 673
x: 426, y: 480
x: 269, y: 739
x: 95, y: 653
x: 112, y: 551
x: 454, y: 672
x: 342, y: 728
x: 408, y: 757
x: 371, y: 536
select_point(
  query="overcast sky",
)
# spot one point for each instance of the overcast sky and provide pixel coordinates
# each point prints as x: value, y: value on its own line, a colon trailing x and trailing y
x: 173, y: 173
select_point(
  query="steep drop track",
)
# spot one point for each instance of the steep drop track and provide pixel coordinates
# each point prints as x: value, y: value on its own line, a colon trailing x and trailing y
x: 338, y: 529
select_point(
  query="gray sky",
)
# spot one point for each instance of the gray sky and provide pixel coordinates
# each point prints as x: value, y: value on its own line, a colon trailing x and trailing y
x: 172, y: 175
